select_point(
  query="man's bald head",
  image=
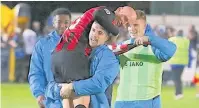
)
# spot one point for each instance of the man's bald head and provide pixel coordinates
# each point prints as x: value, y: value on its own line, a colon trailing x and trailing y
x: 126, y: 14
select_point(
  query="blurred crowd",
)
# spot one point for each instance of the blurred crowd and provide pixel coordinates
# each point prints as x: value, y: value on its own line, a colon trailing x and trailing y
x: 191, y: 34
x: 169, y: 31
x: 23, y: 44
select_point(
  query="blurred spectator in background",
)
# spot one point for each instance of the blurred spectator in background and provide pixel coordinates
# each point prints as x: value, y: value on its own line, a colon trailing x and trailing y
x: 6, y: 43
x: 167, y: 74
x: 25, y: 41
x: 4, y: 58
x: 160, y: 30
x: 177, y: 63
x: 30, y: 39
x: 193, y: 37
x: 20, y: 41
x: 180, y: 33
x: 170, y: 32
x: 36, y: 27
x: 20, y: 67
x: 194, y: 47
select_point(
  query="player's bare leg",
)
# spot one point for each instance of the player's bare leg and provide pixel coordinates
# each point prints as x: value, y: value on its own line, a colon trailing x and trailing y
x: 83, y: 100
x: 67, y: 103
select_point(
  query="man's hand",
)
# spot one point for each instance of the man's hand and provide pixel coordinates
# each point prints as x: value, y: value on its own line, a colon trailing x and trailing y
x: 66, y: 90
x: 40, y: 100
x: 140, y: 40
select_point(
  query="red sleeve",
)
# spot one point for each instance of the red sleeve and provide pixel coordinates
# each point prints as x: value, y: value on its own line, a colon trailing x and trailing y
x: 77, y: 28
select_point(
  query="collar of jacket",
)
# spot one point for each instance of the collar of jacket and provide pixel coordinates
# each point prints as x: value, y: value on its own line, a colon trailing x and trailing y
x: 55, y: 35
x: 97, y: 49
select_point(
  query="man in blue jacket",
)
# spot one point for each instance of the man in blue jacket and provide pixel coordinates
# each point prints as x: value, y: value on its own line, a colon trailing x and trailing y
x: 40, y: 72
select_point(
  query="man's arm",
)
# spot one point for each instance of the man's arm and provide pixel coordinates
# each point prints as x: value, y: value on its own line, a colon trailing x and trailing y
x: 78, y: 27
x: 104, y: 76
x: 120, y: 46
x: 36, y: 76
x: 162, y: 48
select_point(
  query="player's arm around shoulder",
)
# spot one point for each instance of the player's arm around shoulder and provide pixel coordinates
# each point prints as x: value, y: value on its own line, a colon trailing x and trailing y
x: 104, y: 75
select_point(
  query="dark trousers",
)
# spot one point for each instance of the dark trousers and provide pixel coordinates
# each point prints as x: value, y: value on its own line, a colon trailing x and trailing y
x: 4, y: 65
x: 177, y: 73
x: 22, y: 68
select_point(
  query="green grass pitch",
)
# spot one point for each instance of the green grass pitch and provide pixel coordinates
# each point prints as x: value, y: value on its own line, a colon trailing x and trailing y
x: 19, y: 96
